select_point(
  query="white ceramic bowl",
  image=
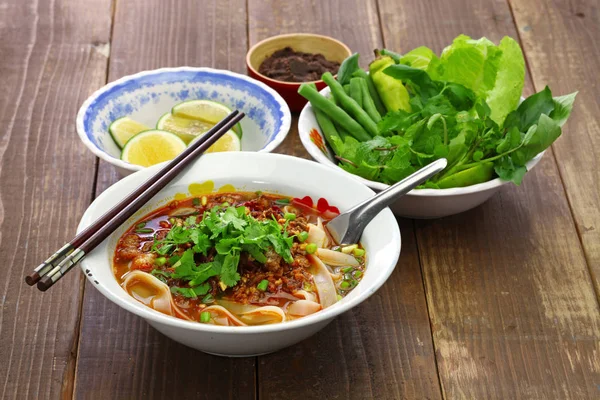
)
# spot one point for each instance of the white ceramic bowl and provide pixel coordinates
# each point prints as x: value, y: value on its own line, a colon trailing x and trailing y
x: 418, y: 203
x: 250, y: 172
x: 147, y: 95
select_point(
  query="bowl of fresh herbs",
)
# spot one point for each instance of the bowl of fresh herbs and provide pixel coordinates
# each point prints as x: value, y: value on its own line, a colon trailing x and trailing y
x: 408, y: 110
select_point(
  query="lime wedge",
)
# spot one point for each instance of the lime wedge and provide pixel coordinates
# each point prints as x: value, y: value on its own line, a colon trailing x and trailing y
x: 230, y: 141
x: 125, y: 128
x: 205, y: 110
x: 187, y: 129
x: 152, y: 147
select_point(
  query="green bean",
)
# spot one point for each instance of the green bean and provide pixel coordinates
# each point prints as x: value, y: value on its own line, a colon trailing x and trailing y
x: 309, y: 92
x: 368, y: 104
x: 356, y: 91
x: 350, y: 105
x: 372, y: 90
x: 329, y: 132
x: 347, y: 88
x: 343, y: 133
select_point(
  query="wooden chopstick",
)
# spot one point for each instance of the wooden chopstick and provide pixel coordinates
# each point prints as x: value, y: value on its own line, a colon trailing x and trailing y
x: 52, y: 270
x: 50, y: 264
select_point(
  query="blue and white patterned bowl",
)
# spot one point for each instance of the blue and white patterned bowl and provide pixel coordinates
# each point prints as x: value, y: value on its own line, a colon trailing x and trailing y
x: 147, y: 95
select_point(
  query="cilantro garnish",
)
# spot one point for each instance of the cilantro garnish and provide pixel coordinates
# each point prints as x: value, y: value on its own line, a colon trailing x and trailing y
x: 229, y: 230
x: 191, y: 292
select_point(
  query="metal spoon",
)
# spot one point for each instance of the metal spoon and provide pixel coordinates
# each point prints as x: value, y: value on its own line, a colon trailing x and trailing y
x: 347, y: 228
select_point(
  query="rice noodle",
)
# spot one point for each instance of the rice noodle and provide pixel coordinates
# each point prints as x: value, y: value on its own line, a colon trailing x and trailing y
x: 235, y: 307
x: 306, y: 295
x: 153, y: 292
x: 321, y: 227
x: 264, y: 315
x: 316, y: 235
x: 323, y: 281
x: 301, y: 308
x: 337, y: 258
x: 222, y: 310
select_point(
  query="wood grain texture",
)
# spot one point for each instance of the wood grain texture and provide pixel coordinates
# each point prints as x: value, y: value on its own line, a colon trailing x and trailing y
x: 510, y: 298
x: 561, y: 43
x: 49, y: 62
x: 382, y: 349
x: 120, y: 355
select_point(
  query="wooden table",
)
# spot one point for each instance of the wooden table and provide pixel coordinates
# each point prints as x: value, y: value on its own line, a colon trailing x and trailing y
x: 500, y: 302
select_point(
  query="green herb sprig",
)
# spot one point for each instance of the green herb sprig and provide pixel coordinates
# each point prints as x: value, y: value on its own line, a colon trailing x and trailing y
x: 229, y: 230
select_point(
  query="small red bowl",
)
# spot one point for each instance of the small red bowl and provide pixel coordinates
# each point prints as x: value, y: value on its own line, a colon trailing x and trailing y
x: 331, y: 49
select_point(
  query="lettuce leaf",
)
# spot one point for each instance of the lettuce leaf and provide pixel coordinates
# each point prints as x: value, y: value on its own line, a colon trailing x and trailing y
x: 494, y: 73
x: 472, y: 63
x: 510, y: 78
x: 418, y: 58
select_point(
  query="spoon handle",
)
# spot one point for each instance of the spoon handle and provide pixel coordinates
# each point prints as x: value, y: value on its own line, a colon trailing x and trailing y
x: 360, y: 215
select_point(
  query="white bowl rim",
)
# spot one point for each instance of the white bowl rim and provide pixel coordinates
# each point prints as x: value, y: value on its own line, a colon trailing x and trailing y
x: 321, y: 316
x: 277, y: 140
x: 316, y: 154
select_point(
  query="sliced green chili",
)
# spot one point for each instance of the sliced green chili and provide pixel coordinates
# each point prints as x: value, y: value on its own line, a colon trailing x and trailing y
x: 359, y: 252
x: 302, y: 236
x: 204, y: 316
x: 289, y: 216
x: 262, y: 286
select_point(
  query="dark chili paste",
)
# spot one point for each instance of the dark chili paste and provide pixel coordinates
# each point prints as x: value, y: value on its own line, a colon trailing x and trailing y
x: 293, y: 66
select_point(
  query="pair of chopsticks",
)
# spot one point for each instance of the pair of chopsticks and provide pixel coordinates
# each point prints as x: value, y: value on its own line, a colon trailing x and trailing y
x: 61, y: 262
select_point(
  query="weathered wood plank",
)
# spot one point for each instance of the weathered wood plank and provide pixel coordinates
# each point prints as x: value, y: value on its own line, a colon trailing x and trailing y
x: 510, y: 298
x: 120, y: 355
x: 381, y: 349
x: 50, y: 61
x: 561, y: 43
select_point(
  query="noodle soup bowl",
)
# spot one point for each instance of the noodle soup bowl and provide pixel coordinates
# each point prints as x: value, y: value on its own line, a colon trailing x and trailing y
x: 228, y: 172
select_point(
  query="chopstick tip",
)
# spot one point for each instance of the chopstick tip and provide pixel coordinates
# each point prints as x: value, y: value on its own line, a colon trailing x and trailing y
x: 32, y: 278
x: 44, y: 283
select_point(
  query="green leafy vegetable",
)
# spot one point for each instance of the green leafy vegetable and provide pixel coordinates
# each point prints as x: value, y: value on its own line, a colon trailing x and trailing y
x: 510, y: 78
x: 191, y: 292
x: 464, y: 105
x: 418, y: 58
x: 347, y: 68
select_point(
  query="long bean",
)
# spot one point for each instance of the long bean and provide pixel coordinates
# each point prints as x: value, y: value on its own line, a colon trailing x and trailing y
x: 360, y: 73
x: 340, y: 129
x: 367, y: 102
x: 350, y: 105
x: 334, y: 112
x: 356, y: 91
x: 331, y: 135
